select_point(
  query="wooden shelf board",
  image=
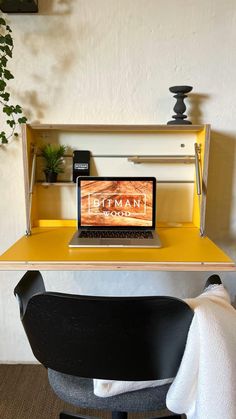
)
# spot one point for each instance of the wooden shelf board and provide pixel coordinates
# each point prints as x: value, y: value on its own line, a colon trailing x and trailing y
x: 116, y: 128
x: 183, y: 250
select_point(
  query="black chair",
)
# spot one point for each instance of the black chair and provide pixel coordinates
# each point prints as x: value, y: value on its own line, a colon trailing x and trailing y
x: 113, y: 338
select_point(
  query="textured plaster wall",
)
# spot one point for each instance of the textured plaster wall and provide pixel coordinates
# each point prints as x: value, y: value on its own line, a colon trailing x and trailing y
x: 112, y: 61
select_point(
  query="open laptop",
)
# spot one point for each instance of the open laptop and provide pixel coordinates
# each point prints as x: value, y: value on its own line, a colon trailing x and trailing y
x: 116, y: 212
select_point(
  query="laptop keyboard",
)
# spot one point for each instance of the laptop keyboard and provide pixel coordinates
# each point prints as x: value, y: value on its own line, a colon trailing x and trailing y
x: 116, y: 234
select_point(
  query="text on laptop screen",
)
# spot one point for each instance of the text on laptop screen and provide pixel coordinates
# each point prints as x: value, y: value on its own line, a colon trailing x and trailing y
x: 116, y: 203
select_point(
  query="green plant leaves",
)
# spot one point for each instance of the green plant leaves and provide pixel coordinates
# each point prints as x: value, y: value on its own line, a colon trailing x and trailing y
x: 7, y: 74
x: 3, y: 138
x: 53, y: 156
x: 18, y: 109
x: 7, y: 51
x: 8, y: 40
x: 3, y: 61
x: 11, y: 122
x: 8, y: 109
x: 2, y: 85
x: 6, y: 47
x: 5, y: 96
x: 22, y: 120
x: 2, y: 21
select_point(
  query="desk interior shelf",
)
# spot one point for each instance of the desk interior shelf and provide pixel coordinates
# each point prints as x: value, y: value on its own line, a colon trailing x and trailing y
x: 166, y: 152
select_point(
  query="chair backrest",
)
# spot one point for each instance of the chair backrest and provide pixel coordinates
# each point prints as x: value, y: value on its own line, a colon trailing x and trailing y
x: 120, y: 338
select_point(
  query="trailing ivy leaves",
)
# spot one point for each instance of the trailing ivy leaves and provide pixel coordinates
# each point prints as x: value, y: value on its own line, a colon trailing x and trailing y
x: 11, y: 112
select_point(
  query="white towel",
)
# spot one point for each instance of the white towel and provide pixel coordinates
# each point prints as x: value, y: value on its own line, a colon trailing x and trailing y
x: 205, y: 385
x: 107, y: 388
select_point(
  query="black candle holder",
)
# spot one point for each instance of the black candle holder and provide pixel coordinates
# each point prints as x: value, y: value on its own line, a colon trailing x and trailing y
x: 180, y: 108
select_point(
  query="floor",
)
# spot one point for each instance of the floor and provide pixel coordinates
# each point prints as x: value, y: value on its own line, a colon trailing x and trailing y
x: 26, y: 394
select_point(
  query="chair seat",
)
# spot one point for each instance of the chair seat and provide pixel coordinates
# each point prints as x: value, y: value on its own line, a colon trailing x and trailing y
x: 79, y: 392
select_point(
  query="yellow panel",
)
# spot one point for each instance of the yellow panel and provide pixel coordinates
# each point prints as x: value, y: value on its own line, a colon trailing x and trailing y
x: 48, y: 247
x: 30, y: 144
x: 26, y: 133
x: 73, y: 223
x: 197, y: 200
x: 55, y: 223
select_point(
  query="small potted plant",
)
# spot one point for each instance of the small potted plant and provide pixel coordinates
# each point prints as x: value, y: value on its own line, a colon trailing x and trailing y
x: 53, y: 156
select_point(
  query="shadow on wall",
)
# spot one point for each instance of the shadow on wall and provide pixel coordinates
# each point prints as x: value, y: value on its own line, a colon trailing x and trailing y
x: 34, y: 108
x: 56, y: 7
x: 194, y: 109
x: 52, y: 40
x: 219, y: 215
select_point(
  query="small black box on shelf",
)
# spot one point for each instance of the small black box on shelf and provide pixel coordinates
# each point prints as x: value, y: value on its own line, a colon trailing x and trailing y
x: 81, y: 163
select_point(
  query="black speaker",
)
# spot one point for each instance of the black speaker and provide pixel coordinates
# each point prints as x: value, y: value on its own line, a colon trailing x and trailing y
x: 81, y: 163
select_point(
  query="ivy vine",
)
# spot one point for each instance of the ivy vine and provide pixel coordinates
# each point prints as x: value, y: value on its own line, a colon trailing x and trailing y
x: 12, y: 113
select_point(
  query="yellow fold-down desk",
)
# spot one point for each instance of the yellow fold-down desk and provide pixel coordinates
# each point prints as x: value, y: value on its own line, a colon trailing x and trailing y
x: 183, y: 250
x: 176, y: 155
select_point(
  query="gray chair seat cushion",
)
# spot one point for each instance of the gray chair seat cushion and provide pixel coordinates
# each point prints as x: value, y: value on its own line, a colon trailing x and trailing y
x: 79, y: 392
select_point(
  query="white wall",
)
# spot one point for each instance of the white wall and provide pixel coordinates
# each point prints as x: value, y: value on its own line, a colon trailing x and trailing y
x: 112, y: 61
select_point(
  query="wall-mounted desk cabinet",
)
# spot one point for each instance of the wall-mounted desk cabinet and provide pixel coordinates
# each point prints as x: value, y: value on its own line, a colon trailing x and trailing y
x: 176, y: 155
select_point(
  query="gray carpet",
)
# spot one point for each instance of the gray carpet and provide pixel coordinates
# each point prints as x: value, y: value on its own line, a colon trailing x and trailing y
x: 26, y: 394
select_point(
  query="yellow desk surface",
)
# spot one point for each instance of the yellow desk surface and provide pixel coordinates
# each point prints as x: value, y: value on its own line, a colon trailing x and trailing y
x: 183, y: 250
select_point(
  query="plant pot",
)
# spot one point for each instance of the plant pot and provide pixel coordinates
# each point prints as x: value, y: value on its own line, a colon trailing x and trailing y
x: 51, y: 177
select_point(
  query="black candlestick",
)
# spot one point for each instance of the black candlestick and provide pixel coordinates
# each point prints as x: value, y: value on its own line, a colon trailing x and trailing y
x: 180, y: 108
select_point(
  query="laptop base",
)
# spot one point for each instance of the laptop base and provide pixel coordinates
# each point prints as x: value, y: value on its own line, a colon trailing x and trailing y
x: 77, y: 241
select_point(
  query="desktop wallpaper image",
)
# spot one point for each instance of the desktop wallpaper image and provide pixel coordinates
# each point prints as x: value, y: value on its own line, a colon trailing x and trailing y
x: 116, y: 203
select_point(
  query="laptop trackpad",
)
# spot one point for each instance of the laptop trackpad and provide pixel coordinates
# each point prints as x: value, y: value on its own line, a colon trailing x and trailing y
x: 115, y: 242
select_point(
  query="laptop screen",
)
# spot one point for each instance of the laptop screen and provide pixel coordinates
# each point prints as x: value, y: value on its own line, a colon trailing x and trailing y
x: 116, y: 202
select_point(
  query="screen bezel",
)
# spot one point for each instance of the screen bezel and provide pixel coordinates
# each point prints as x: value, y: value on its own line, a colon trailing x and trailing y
x: 131, y: 178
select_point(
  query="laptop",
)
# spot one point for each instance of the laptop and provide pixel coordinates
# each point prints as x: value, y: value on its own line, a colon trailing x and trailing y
x: 116, y: 212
